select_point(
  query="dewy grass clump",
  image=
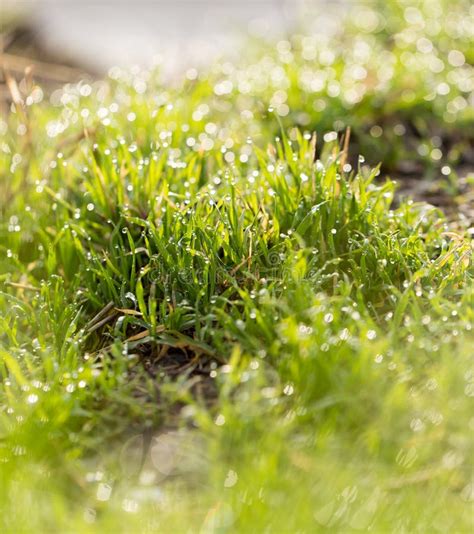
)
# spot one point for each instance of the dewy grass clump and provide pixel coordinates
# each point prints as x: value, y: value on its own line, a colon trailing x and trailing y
x: 206, y: 327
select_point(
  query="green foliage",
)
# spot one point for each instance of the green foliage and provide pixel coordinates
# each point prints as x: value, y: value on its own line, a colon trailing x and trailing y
x: 145, y: 223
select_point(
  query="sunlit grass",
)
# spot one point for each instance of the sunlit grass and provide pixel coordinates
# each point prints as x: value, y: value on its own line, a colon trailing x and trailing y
x: 215, y: 320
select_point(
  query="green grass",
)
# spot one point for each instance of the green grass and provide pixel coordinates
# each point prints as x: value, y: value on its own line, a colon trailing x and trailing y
x: 212, y: 322
x: 398, y: 72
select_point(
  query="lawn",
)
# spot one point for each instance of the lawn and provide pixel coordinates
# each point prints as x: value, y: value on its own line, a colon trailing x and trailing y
x: 219, y: 314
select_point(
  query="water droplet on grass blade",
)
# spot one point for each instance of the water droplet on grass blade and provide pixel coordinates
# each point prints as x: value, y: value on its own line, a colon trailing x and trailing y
x: 328, y: 318
x: 231, y: 479
x: 220, y: 420
x: 371, y: 334
x: 104, y: 491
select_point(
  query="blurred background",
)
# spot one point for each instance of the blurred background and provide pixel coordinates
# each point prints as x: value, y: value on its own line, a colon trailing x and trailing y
x: 95, y: 34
